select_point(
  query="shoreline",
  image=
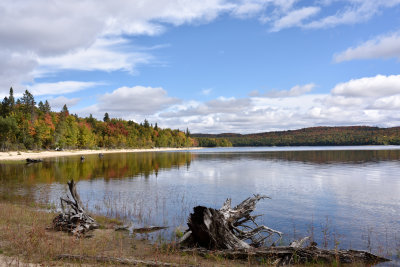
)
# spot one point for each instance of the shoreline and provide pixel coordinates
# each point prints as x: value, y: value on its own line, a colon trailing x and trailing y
x: 23, y: 155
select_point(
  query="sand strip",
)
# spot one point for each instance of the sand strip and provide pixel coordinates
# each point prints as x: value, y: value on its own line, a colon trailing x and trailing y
x: 22, y: 155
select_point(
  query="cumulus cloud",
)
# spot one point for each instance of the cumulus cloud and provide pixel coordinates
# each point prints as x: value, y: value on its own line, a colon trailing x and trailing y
x: 347, y: 104
x: 387, y: 46
x: 378, y: 86
x: 39, y: 36
x: 390, y: 102
x: 364, y: 101
x: 58, y: 102
x: 75, y: 34
x: 136, y: 100
x: 15, y: 69
x: 57, y: 88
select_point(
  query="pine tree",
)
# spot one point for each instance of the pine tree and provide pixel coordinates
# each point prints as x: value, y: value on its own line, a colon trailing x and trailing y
x: 106, y: 117
x: 47, y: 107
x: 146, y: 123
x: 11, y: 100
x: 28, y: 102
x: 41, y: 106
x: 5, y: 107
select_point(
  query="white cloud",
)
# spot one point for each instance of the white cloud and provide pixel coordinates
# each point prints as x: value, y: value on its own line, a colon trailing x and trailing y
x: 387, y: 46
x: 58, y: 88
x: 136, y: 100
x: 378, y: 86
x: 364, y: 101
x: 293, y: 92
x: 104, y: 55
x: 58, y: 102
x: 387, y: 103
x: 356, y: 11
x: 206, y: 91
x: 294, y: 18
x: 14, y: 70
x: 40, y: 37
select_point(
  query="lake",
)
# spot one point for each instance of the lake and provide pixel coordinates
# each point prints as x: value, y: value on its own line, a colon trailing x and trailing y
x: 347, y: 197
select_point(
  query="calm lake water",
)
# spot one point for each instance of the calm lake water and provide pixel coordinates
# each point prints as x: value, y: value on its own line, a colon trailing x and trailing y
x: 348, y: 196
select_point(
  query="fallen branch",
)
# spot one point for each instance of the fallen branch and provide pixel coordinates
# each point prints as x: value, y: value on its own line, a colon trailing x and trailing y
x: 73, y: 218
x: 280, y: 256
x: 113, y: 260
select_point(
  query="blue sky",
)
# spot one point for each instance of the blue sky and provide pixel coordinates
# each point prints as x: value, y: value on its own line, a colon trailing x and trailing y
x: 213, y: 66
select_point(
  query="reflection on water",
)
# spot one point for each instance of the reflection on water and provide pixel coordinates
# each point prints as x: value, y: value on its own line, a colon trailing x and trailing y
x: 350, y: 198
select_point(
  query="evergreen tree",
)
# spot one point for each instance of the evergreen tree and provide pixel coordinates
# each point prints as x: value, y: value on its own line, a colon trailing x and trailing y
x: 28, y: 102
x: 41, y: 106
x: 5, y: 107
x: 106, y: 117
x: 45, y: 108
x: 65, y: 110
x: 11, y: 99
x: 146, y: 124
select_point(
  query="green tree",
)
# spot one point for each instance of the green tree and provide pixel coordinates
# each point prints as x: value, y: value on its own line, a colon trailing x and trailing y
x: 106, y: 117
x: 8, y: 130
x: 5, y: 107
x: 45, y: 108
x: 28, y: 101
x: 11, y: 99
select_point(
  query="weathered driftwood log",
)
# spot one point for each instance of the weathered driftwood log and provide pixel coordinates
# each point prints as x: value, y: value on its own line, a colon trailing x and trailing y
x: 289, y: 255
x: 29, y: 160
x: 73, y: 218
x: 228, y: 234
x: 227, y: 228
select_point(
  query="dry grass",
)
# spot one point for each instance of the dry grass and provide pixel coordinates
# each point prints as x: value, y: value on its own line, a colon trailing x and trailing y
x: 25, y: 237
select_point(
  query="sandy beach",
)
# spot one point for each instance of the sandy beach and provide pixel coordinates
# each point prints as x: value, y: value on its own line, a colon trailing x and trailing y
x: 22, y: 155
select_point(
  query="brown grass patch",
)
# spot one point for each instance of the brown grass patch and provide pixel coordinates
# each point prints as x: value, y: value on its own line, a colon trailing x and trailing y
x: 25, y: 236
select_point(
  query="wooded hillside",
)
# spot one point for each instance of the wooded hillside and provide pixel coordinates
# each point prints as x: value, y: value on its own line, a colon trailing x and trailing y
x: 315, y: 136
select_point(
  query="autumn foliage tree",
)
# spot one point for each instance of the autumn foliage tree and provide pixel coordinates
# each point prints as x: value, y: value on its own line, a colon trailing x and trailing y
x: 23, y: 125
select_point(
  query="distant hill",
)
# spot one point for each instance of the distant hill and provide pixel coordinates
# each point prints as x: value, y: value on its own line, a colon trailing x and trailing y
x: 313, y: 136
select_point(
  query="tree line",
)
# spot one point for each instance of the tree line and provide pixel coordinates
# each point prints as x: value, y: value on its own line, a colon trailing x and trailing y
x: 25, y: 125
x: 315, y: 136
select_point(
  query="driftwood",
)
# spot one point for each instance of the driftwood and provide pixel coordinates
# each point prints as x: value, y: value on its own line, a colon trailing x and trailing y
x: 140, y: 230
x: 288, y: 255
x: 227, y: 228
x: 29, y: 160
x: 113, y: 260
x: 233, y: 233
x: 73, y: 218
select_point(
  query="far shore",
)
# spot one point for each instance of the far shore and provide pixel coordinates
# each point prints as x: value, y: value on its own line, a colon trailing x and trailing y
x: 22, y: 155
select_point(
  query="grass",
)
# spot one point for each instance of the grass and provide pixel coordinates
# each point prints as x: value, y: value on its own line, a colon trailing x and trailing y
x: 25, y: 235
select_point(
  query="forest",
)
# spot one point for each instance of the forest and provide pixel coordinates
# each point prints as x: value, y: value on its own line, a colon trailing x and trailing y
x: 314, y: 136
x: 25, y: 125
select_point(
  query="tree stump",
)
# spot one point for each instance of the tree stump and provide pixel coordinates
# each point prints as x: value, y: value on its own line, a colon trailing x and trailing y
x: 73, y: 219
x: 234, y: 234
